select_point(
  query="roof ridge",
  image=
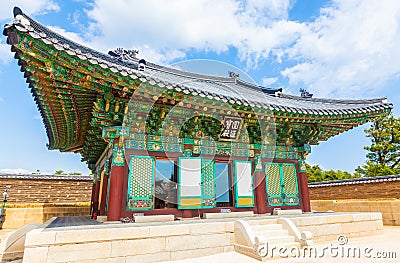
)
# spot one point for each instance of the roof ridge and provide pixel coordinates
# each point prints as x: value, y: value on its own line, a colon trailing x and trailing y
x: 325, y: 100
x: 41, y: 28
x: 129, y: 65
x: 356, y: 180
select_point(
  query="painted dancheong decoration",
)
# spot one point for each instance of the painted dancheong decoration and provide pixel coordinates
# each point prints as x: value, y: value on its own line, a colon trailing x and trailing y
x: 153, y: 134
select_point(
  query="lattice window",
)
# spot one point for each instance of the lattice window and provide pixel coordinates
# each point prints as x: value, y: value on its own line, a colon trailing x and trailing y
x: 289, y: 179
x: 273, y: 178
x: 281, y: 180
x: 208, y: 178
x: 141, y: 183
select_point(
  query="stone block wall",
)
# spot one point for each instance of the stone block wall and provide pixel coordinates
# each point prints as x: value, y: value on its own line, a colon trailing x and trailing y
x: 175, y: 240
x: 375, y: 194
x: 46, y: 189
x: 130, y: 243
x: 390, y: 209
x: 371, y: 190
x: 19, y: 216
x: 327, y: 226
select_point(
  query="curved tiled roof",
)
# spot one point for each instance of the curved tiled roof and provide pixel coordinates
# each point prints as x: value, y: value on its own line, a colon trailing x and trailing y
x: 70, y: 84
x: 235, y: 91
x: 364, y: 180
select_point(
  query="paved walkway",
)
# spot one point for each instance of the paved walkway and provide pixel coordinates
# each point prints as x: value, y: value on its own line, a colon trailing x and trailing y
x: 370, y: 247
x: 72, y: 221
x: 4, y: 233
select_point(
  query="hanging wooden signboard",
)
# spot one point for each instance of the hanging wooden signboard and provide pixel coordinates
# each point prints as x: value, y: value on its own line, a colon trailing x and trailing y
x: 231, y: 128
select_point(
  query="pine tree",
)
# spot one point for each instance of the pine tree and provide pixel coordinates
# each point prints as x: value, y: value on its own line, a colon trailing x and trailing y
x: 383, y: 157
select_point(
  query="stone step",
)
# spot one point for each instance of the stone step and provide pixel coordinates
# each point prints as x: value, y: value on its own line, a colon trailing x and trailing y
x: 266, y: 227
x: 271, y: 233
x: 262, y: 222
x: 228, y: 215
x: 278, y: 240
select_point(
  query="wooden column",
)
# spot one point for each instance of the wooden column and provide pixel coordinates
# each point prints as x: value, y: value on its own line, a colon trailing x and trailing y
x: 104, y: 195
x: 260, y: 192
x: 305, y: 196
x: 115, y: 137
x: 96, y: 199
x: 92, y: 200
x: 115, y: 195
x: 187, y: 213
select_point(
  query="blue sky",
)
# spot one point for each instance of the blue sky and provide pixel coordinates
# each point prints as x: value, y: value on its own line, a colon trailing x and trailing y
x: 336, y: 49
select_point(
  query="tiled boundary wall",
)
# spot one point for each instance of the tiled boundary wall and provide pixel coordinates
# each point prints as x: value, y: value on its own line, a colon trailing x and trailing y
x: 173, y: 241
x: 373, y: 194
x: 390, y: 209
x: 46, y: 188
x: 17, y: 217
x: 381, y: 187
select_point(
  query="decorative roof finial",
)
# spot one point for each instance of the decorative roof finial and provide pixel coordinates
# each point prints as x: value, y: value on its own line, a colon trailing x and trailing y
x: 123, y: 54
x: 233, y: 74
x: 305, y: 93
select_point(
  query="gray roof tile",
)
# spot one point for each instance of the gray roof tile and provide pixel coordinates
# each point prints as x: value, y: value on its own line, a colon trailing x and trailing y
x: 229, y: 89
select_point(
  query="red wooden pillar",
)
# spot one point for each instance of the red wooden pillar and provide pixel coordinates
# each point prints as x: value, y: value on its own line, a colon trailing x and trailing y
x: 115, y: 137
x: 187, y: 213
x: 92, y: 199
x: 96, y: 200
x: 305, y: 196
x: 115, y: 195
x: 260, y: 192
x: 104, y: 195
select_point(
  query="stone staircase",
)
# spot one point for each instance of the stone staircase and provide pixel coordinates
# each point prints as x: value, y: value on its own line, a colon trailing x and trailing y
x: 264, y: 240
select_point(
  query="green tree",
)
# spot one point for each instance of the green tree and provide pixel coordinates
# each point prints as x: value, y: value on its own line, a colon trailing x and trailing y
x: 59, y: 172
x: 75, y: 173
x: 383, y: 157
x: 316, y: 174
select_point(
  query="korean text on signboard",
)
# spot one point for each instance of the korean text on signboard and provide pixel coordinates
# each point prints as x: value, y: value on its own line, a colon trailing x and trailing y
x: 231, y: 129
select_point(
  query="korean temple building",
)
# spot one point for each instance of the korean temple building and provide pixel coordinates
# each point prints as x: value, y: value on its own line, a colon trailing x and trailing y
x: 164, y: 141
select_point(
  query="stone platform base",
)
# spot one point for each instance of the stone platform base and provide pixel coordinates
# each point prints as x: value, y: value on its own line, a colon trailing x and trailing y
x: 390, y: 208
x: 288, y: 212
x: 17, y: 217
x: 175, y: 240
x: 228, y: 215
x: 157, y: 218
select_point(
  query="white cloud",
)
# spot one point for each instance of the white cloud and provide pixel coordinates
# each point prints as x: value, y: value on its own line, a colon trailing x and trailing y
x: 33, y: 7
x: 5, y: 53
x: 14, y: 171
x: 74, y: 18
x: 351, y: 49
x: 70, y: 35
x: 268, y: 81
x: 171, y: 28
